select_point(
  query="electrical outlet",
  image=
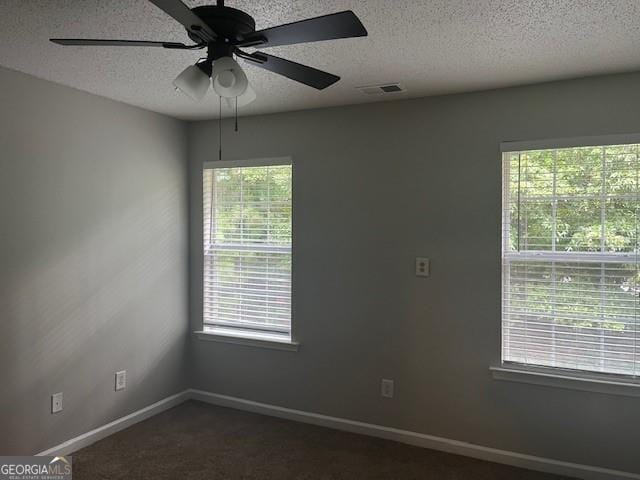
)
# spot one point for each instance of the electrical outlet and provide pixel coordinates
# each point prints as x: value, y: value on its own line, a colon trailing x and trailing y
x: 56, y: 402
x: 121, y: 380
x: 386, y: 388
x: 422, y: 267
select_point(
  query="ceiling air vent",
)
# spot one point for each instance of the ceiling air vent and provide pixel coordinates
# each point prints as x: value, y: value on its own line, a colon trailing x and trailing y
x: 382, y: 89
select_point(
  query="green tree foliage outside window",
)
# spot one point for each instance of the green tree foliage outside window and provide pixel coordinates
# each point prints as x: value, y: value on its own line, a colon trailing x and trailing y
x: 570, y: 269
x: 247, y: 236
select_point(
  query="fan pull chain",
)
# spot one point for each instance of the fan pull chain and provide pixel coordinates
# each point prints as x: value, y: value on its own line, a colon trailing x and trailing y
x: 236, y: 114
x: 220, y: 128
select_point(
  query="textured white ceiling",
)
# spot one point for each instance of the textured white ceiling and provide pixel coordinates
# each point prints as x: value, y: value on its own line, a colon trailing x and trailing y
x: 430, y: 46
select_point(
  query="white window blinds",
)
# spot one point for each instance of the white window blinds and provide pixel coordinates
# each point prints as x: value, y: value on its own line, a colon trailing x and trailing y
x: 570, y: 258
x: 247, y: 248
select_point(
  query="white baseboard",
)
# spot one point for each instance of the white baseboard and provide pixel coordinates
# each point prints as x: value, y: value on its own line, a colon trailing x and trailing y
x: 521, y: 460
x: 99, y: 433
x: 586, y: 472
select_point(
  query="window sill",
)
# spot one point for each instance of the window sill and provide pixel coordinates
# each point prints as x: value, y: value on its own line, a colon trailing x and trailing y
x: 562, y: 379
x: 248, y: 339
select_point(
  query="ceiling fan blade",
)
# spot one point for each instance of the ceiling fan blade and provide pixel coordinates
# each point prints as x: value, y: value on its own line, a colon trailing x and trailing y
x: 295, y: 71
x: 119, y: 43
x: 328, y: 27
x: 183, y: 14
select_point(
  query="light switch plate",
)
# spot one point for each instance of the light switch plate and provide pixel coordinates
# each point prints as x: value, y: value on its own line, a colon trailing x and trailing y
x: 121, y: 380
x: 56, y: 402
x: 422, y: 267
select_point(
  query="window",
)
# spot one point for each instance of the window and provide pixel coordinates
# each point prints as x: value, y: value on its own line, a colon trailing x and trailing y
x: 247, y: 249
x: 570, y: 257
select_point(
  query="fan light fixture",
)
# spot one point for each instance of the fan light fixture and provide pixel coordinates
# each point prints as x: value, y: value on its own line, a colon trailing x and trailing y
x: 247, y: 97
x: 194, y: 80
x: 229, y: 80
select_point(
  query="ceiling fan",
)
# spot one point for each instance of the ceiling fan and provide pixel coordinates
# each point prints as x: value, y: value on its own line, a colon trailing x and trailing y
x: 224, y: 31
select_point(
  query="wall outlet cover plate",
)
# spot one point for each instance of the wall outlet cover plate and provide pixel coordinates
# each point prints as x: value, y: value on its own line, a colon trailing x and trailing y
x: 121, y: 380
x: 56, y: 402
x: 386, y: 388
x: 422, y: 267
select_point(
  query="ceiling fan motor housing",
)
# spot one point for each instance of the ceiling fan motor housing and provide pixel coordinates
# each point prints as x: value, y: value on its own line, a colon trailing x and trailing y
x: 229, y: 23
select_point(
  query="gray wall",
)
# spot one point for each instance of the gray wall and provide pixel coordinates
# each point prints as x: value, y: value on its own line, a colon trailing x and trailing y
x: 93, y: 260
x: 375, y: 186
x: 93, y: 271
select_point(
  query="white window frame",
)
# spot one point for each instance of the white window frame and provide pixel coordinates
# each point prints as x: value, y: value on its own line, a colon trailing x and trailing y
x: 253, y: 337
x: 609, y: 383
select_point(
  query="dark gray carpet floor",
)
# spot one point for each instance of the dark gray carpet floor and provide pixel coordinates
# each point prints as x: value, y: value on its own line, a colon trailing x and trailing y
x: 200, y: 441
